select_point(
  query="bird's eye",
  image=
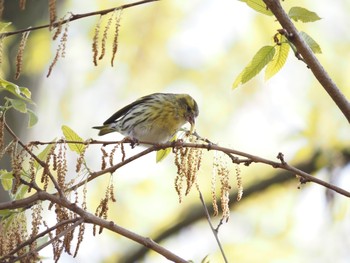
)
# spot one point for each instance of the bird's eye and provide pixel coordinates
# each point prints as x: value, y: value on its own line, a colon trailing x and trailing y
x: 189, y: 108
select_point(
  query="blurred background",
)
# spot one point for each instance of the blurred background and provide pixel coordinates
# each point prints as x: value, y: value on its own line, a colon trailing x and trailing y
x: 199, y: 47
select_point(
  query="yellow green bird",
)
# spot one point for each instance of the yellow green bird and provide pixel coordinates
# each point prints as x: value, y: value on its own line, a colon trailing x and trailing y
x: 153, y: 118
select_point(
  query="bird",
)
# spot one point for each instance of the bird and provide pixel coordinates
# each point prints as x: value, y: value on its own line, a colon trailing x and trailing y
x: 155, y: 118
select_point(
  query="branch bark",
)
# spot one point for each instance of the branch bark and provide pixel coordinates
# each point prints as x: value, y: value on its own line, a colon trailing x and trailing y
x: 75, y: 17
x: 309, y: 57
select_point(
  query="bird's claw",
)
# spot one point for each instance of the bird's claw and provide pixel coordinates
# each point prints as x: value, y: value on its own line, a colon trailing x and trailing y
x: 133, y: 142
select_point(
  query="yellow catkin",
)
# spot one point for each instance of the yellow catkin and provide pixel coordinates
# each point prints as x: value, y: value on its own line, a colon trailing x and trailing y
x: 239, y: 183
x: 187, y: 161
x: 221, y: 171
x: 213, y: 184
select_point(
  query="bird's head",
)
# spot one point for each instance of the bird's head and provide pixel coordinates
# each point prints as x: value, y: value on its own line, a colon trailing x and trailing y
x: 189, y: 109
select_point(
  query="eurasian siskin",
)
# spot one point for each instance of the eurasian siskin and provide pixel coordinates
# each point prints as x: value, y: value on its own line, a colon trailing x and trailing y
x: 153, y: 118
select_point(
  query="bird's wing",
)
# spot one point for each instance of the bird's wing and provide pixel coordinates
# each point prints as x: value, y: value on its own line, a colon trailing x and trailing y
x: 127, y: 108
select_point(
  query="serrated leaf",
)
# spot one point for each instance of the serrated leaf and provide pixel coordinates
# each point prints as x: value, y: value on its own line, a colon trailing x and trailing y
x: 315, y: 47
x: 71, y: 135
x: 43, y: 155
x: 18, y: 105
x: 259, y: 61
x: 6, y: 179
x: 33, y: 119
x: 299, y: 13
x: 259, y: 6
x: 279, y: 58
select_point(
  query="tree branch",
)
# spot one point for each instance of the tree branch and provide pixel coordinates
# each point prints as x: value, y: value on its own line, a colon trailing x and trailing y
x: 309, y: 57
x: 75, y: 17
x: 11, y: 258
x: 195, y: 212
x: 208, y: 146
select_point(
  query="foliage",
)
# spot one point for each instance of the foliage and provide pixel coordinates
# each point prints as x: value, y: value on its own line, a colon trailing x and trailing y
x: 19, y: 103
x: 43, y: 173
x: 274, y: 57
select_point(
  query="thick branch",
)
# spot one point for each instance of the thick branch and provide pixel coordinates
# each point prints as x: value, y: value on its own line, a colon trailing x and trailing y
x: 309, y: 57
x: 95, y: 220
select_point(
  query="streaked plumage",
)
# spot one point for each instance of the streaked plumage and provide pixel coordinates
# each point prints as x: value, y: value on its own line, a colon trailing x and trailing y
x: 153, y: 118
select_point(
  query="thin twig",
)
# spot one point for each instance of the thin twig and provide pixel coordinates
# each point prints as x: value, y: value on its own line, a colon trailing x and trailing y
x: 214, y: 230
x: 40, y: 162
x: 31, y: 240
x: 69, y: 229
x: 76, y: 17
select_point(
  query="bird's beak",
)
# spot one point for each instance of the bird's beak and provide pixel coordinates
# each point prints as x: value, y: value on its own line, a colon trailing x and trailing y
x: 192, y: 122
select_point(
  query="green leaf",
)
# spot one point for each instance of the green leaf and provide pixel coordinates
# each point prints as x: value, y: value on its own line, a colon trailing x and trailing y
x: 161, y: 154
x: 25, y: 92
x: 18, y: 105
x: 238, y: 80
x: 70, y: 135
x: 22, y: 190
x: 5, y: 213
x: 259, y: 61
x: 3, y: 25
x: 299, y: 13
x: 43, y: 155
x: 259, y: 6
x: 315, y: 47
x: 279, y: 58
x: 6, y: 179
x: 19, y: 92
x: 33, y: 119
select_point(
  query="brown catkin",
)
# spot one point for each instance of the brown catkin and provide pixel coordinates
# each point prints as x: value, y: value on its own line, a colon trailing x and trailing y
x: 52, y: 12
x: 22, y: 4
x: 116, y: 37
x: 19, y: 57
x: 105, y: 35
x: 95, y: 41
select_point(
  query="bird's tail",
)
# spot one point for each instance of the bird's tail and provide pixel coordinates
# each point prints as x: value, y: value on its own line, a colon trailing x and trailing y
x: 104, y: 129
